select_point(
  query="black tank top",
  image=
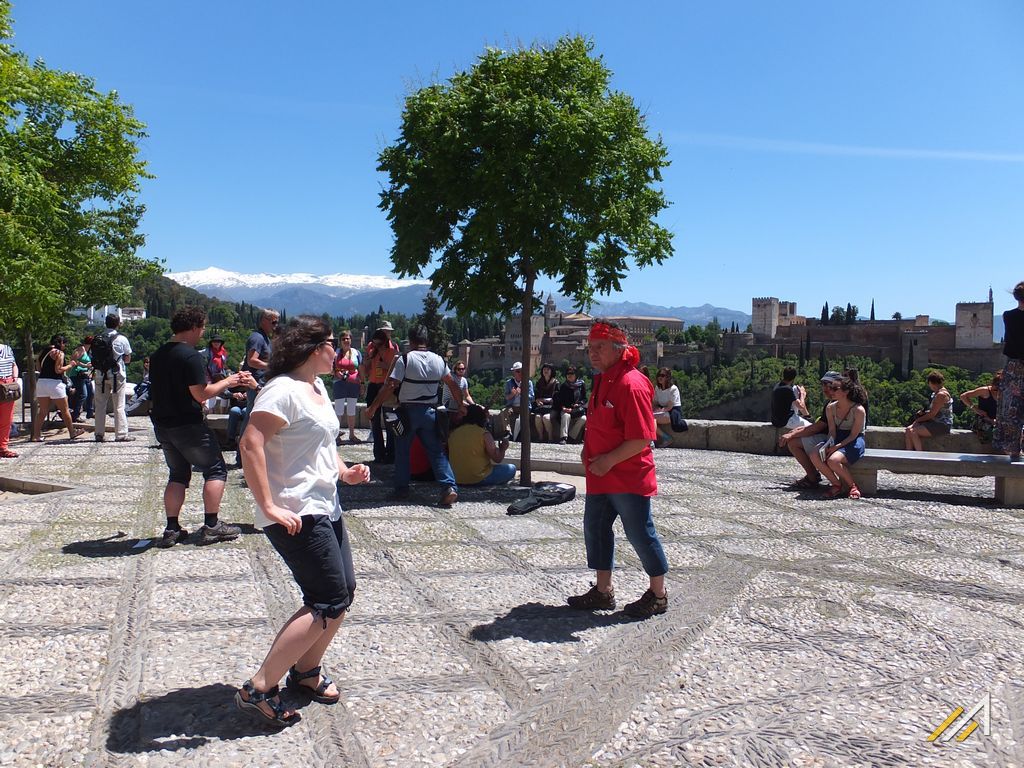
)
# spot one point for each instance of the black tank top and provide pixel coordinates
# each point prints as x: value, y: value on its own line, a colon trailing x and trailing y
x: 48, y: 369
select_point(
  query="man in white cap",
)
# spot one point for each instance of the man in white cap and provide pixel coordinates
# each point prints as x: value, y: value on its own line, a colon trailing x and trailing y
x: 803, y: 440
x: 513, y: 391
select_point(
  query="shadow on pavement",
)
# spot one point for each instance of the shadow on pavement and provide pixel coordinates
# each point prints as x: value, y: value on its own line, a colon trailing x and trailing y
x: 541, y: 623
x: 120, y: 545
x: 116, y: 545
x: 185, y: 718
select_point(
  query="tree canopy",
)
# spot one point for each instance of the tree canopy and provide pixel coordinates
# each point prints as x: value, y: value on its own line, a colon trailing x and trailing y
x: 528, y: 165
x: 69, y: 183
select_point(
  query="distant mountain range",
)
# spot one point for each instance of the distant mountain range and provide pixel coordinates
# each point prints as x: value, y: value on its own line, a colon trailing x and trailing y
x: 344, y: 295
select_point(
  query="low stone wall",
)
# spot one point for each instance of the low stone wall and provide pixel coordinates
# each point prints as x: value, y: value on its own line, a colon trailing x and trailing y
x: 736, y: 436
x: 758, y: 437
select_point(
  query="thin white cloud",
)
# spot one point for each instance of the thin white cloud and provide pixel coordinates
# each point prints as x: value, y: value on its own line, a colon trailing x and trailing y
x: 751, y: 144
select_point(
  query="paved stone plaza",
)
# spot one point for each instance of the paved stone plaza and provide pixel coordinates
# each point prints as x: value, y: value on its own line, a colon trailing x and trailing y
x: 801, y: 632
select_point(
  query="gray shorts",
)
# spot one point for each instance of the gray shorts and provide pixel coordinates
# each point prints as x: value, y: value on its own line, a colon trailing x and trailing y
x: 935, y: 428
x: 811, y: 443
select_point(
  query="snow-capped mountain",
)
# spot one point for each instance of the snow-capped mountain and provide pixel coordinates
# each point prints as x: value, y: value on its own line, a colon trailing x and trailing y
x: 344, y: 295
x: 337, y: 294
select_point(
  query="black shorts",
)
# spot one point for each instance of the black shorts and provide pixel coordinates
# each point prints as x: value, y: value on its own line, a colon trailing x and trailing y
x: 191, y: 445
x: 320, y: 559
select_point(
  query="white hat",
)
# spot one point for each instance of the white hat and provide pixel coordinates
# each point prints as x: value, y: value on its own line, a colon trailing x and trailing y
x: 385, y: 326
x: 516, y: 366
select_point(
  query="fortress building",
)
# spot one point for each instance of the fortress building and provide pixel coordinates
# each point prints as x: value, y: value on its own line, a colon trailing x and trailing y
x: 911, y: 343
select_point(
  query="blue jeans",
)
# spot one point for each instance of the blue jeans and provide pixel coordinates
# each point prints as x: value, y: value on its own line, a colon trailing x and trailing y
x: 422, y: 423
x: 235, y: 417
x: 599, y: 513
x: 83, y: 398
x: 500, y: 474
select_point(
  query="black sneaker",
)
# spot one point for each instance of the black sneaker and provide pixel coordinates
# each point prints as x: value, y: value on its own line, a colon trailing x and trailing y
x: 648, y: 605
x: 220, y: 532
x: 170, y: 538
x: 593, y: 600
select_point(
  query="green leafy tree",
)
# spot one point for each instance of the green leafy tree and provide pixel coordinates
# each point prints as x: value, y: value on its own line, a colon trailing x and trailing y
x: 897, y: 316
x: 69, y: 180
x: 663, y: 335
x: 432, y: 320
x: 528, y: 165
x: 838, y: 316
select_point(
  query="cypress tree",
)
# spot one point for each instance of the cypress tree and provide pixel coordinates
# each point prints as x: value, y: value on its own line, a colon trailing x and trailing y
x: 824, y: 314
x: 872, y: 310
x: 822, y: 362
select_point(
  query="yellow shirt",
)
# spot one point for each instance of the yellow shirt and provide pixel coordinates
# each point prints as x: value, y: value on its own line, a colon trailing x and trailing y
x: 467, y: 454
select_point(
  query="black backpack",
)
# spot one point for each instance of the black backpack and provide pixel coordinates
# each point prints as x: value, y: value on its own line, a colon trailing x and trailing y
x: 104, y: 361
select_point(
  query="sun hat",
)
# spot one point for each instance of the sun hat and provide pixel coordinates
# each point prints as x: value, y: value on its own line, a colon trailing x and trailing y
x: 831, y: 376
x: 385, y: 326
x: 516, y: 366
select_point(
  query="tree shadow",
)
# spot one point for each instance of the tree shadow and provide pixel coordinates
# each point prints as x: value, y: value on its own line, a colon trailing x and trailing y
x: 121, y: 545
x: 541, y: 623
x: 184, y: 718
x: 115, y: 545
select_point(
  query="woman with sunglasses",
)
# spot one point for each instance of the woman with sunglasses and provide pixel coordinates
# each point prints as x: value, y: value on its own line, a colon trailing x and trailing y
x: 347, y: 386
x: 668, y: 406
x: 845, y: 445
x: 459, y: 376
x: 50, y: 388
x: 292, y: 468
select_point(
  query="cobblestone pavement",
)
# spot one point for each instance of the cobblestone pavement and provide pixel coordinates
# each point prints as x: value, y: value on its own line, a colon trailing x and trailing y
x: 801, y: 632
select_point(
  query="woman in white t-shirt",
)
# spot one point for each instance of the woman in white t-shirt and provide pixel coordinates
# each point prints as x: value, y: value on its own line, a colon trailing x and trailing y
x: 292, y: 468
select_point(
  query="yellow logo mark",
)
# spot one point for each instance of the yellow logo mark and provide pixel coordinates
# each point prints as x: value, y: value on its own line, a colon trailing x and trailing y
x: 969, y: 725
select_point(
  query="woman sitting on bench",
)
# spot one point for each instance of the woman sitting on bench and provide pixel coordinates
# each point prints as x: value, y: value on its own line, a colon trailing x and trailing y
x: 846, y: 421
x: 936, y: 419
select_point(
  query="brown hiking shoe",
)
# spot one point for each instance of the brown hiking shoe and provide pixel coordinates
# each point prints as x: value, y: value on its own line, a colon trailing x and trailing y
x: 593, y: 600
x: 648, y: 605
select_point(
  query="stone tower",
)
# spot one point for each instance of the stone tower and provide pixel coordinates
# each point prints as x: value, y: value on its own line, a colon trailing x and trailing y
x: 549, y: 311
x: 974, y: 325
x: 765, y: 313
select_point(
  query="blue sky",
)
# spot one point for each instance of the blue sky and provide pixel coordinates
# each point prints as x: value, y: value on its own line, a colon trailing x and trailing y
x: 821, y: 151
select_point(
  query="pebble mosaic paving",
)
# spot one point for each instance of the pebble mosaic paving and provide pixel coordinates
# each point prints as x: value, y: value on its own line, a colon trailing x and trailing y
x: 801, y: 631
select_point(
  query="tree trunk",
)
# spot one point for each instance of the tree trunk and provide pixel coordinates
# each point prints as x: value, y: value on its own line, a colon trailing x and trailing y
x: 28, y: 379
x: 525, y: 425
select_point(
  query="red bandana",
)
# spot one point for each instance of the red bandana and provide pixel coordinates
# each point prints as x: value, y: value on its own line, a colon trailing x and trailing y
x: 598, y: 331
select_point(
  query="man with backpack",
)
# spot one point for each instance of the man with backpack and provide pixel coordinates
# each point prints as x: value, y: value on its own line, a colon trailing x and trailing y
x: 416, y: 375
x: 110, y: 353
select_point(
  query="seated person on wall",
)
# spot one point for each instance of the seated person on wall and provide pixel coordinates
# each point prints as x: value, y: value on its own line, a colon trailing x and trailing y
x: 569, y: 407
x: 668, y: 407
x: 985, y: 409
x: 545, y: 389
x: 847, y: 420
x: 513, y: 392
x: 459, y: 376
x: 936, y: 419
x: 788, y: 406
x: 474, y: 455
x: 804, y: 441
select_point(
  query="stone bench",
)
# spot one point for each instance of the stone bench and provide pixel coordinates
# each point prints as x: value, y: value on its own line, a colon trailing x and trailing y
x: 1009, y: 476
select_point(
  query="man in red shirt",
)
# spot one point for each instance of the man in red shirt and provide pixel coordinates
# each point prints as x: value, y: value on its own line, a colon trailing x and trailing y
x: 619, y: 464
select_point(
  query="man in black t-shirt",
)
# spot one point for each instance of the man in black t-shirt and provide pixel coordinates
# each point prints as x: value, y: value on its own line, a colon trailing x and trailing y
x: 178, y: 388
x: 783, y: 398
